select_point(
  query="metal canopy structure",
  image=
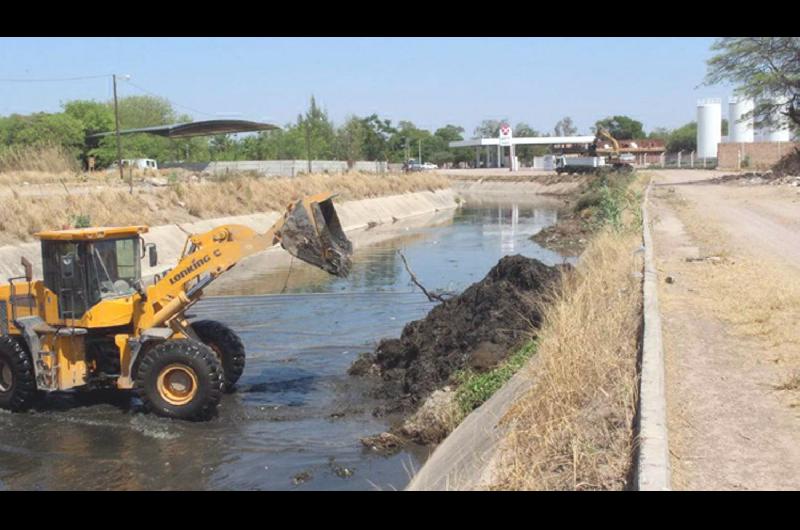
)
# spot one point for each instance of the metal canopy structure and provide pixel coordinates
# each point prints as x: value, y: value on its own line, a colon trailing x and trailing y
x: 509, y: 141
x: 537, y: 140
x: 197, y: 128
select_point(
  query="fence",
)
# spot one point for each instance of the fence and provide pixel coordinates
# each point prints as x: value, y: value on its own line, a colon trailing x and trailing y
x: 683, y: 160
x: 286, y: 168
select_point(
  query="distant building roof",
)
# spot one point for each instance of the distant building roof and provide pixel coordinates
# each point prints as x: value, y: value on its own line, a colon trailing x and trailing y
x: 636, y: 145
x: 197, y: 128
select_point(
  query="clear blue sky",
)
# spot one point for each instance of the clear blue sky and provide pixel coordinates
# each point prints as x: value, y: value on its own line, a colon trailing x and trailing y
x: 430, y: 81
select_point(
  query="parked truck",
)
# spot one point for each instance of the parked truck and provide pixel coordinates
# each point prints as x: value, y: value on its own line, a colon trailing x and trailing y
x: 579, y: 164
x: 616, y: 161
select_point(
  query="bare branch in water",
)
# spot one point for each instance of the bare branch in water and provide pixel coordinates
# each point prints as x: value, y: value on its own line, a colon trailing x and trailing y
x: 431, y: 296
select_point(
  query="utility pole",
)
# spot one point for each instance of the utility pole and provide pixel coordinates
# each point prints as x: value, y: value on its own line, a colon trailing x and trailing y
x: 419, y: 145
x: 119, y: 142
x: 308, y: 145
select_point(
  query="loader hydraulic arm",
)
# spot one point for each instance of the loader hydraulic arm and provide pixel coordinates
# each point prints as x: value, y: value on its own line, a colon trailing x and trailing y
x: 309, y: 230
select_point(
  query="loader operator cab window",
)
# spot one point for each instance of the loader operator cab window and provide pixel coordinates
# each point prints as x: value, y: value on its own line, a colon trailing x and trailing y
x: 113, y: 268
x: 81, y: 274
x: 64, y: 274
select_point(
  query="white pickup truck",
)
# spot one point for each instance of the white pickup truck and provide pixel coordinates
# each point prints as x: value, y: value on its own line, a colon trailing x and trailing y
x: 136, y: 163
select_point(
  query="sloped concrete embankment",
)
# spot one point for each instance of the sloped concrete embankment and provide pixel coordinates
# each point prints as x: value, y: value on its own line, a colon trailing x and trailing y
x: 496, y: 188
x: 170, y: 239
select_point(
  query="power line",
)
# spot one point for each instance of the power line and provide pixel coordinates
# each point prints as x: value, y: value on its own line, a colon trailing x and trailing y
x: 170, y: 101
x: 51, y: 80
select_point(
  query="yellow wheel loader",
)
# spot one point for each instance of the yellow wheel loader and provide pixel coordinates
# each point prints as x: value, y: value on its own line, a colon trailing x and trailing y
x: 91, y: 323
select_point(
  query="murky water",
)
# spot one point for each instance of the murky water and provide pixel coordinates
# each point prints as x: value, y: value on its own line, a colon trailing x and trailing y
x: 296, y: 419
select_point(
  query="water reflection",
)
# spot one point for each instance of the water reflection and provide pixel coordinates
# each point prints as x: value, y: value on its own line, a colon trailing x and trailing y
x: 296, y: 410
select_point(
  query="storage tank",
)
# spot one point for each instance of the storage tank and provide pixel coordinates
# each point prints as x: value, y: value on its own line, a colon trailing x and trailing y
x: 709, y: 127
x: 740, y: 130
x: 780, y: 131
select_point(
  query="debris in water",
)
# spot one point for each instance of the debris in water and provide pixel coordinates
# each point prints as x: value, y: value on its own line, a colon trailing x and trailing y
x: 340, y: 470
x: 384, y: 443
x: 302, y: 477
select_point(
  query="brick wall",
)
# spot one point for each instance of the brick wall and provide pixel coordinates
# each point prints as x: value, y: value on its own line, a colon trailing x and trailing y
x: 762, y: 154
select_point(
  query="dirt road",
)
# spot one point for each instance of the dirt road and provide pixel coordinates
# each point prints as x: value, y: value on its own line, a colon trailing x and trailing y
x: 728, y: 258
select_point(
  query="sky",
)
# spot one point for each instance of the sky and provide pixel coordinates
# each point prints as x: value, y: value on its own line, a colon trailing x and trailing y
x: 429, y: 81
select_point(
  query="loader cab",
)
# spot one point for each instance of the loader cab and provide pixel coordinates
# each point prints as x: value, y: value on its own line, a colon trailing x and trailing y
x: 83, y: 267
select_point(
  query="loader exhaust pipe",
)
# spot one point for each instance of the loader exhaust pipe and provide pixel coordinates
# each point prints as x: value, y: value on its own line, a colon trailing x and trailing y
x: 313, y: 233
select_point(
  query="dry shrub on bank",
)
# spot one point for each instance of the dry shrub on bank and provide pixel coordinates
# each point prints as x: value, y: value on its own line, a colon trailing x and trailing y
x: 574, y: 429
x: 46, y: 159
x: 22, y: 216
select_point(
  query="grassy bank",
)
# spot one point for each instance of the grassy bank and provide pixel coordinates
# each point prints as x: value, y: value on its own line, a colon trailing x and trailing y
x: 604, y: 201
x: 574, y: 428
x: 185, y: 202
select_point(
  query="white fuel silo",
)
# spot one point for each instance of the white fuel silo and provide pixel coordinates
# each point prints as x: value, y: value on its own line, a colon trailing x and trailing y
x: 779, y: 130
x: 739, y: 130
x: 709, y: 127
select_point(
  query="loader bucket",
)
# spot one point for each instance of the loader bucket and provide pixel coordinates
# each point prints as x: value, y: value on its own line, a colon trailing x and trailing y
x: 312, y: 232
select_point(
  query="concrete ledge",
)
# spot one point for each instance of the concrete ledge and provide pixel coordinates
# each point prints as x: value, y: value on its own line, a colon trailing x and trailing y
x: 652, y: 463
x: 467, y: 458
x: 170, y: 239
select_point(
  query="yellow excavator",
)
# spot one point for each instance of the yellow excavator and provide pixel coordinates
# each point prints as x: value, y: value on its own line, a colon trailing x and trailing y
x: 91, y: 323
x: 615, y: 157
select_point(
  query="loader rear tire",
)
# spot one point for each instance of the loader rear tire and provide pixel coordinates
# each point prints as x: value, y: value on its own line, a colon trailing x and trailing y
x: 228, y: 346
x: 17, y: 378
x: 180, y: 379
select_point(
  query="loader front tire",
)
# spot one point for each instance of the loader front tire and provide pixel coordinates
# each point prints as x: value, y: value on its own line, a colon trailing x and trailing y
x: 180, y: 379
x: 228, y: 346
x: 17, y: 378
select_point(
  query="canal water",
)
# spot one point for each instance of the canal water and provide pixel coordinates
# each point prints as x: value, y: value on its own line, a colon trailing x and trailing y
x: 296, y: 417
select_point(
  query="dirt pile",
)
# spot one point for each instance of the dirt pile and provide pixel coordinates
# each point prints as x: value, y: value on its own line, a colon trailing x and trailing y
x: 474, y: 330
x: 569, y: 236
x: 785, y: 171
x: 788, y: 165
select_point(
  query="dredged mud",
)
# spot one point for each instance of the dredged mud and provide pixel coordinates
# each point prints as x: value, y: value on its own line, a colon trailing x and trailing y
x: 475, y: 330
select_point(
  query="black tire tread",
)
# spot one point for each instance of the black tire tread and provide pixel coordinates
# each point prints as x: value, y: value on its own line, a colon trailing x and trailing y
x: 233, y: 357
x: 190, y: 350
x: 24, y: 393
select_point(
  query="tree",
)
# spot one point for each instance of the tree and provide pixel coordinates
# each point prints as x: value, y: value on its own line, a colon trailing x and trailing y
x: 765, y: 69
x: 317, y: 131
x: 488, y: 129
x: 43, y: 129
x: 95, y: 116
x: 683, y: 138
x: 350, y: 140
x: 527, y: 152
x: 445, y: 135
x: 377, y: 133
x: 621, y: 127
x: 137, y: 112
x: 565, y: 127
x: 659, y: 133
x: 409, y: 139
x: 441, y: 158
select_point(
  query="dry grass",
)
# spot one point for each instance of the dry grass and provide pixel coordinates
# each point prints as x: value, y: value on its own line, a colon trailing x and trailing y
x: 20, y: 161
x: 184, y: 202
x: 574, y: 429
x: 756, y: 297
